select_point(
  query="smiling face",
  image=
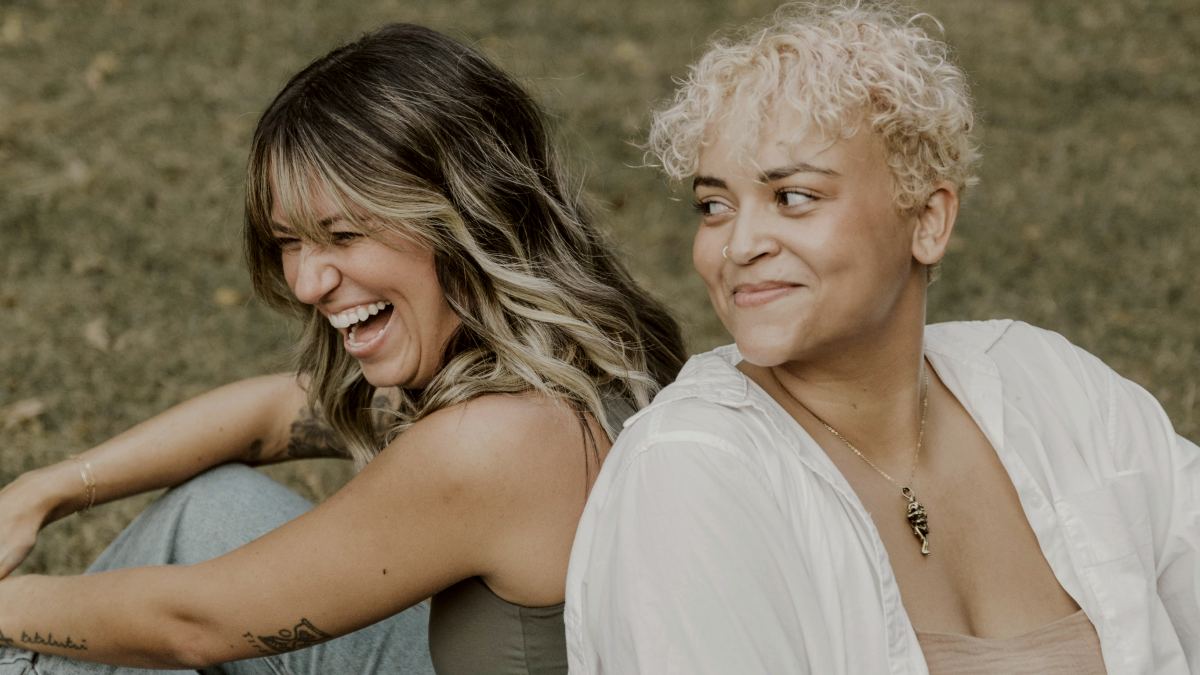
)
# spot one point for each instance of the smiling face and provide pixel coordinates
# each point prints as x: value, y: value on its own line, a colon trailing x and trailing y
x: 801, y: 247
x: 380, y: 291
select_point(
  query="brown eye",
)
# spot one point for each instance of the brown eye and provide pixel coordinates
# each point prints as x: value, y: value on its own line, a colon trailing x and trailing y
x: 711, y: 207
x: 788, y: 198
x: 345, y: 236
x: 287, y: 243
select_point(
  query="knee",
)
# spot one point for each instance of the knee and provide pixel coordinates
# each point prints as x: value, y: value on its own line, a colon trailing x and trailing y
x: 221, y: 509
x: 234, y: 488
x: 228, y: 483
x: 236, y: 478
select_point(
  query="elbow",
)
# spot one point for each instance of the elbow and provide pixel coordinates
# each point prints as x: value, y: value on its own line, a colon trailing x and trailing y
x: 193, y: 647
x: 169, y: 617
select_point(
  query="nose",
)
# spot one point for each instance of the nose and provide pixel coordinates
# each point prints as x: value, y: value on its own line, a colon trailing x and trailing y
x: 751, y: 237
x: 311, y: 273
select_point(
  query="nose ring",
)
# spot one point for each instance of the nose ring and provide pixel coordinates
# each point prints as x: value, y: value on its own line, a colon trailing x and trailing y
x: 725, y: 252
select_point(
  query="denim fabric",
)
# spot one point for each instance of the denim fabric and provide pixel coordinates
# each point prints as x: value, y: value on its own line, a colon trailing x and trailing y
x: 215, y: 513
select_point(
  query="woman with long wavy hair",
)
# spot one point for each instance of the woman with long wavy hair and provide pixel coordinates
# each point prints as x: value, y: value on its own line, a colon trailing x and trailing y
x: 469, y: 339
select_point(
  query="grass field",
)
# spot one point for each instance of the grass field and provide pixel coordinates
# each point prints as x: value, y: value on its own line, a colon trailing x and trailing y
x: 124, y: 124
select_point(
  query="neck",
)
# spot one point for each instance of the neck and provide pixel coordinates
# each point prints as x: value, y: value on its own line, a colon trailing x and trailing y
x: 868, y: 388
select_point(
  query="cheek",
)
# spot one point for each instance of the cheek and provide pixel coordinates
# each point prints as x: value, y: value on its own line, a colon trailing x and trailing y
x: 436, y: 308
x: 706, y: 253
x: 289, y: 264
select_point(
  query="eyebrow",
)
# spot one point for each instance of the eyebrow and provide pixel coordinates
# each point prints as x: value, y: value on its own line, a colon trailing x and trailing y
x: 800, y: 167
x: 768, y: 175
x: 708, y: 181
x: 323, y: 223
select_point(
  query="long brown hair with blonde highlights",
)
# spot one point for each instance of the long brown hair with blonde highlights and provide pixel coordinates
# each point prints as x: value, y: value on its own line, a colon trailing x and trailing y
x: 409, y: 131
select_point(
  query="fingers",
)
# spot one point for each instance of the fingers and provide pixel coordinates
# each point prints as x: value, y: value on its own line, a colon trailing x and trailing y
x: 12, y: 556
x: 21, y: 518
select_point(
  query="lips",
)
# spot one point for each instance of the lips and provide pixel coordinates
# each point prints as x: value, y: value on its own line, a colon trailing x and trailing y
x: 757, y: 294
x: 353, y: 315
x: 362, y: 340
x: 363, y: 327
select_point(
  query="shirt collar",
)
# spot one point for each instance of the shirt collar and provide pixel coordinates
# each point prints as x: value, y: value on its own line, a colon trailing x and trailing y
x: 958, y: 351
x: 712, y: 376
x: 966, y: 342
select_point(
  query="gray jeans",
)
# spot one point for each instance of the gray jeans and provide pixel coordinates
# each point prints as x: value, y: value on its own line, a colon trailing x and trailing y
x: 214, y: 513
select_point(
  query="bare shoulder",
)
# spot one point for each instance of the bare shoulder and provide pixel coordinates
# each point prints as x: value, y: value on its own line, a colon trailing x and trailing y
x: 469, y: 491
x: 497, y: 441
x: 520, y: 415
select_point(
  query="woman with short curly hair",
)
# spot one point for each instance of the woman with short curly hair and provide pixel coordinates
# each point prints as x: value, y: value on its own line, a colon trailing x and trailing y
x: 846, y: 489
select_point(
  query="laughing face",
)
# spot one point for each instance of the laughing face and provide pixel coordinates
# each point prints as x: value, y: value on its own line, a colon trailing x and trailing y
x: 800, y: 245
x: 379, y: 291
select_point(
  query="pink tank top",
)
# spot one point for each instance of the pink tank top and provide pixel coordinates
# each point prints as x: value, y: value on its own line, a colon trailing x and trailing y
x: 1068, y: 646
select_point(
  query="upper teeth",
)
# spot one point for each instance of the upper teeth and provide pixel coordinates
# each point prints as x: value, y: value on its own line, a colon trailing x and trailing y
x: 353, y: 315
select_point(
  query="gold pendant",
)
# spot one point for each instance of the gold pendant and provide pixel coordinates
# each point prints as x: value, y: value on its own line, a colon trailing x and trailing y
x: 917, y: 519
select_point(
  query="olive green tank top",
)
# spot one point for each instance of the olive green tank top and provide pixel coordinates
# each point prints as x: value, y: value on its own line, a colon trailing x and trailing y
x: 473, y: 631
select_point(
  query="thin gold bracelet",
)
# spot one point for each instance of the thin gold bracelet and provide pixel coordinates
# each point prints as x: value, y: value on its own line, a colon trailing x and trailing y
x: 89, y: 482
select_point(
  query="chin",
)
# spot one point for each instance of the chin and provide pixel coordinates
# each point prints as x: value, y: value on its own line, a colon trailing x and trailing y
x: 380, y: 376
x: 765, y: 354
x: 765, y: 343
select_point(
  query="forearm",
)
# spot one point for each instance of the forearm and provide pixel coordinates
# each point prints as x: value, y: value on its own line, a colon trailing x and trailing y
x: 246, y: 421
x: 311, y: 579
x: 127, y: 618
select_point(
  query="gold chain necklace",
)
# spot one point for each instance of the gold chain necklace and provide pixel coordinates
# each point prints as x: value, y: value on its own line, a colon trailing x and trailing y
x: 918, y: 520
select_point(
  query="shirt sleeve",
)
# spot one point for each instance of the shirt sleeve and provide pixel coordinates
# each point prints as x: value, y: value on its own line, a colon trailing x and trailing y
x: 1139, y: 426
x: 694, y: 569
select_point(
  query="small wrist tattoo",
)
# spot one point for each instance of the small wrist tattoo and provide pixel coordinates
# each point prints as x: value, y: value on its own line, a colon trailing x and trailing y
x: 48, y: 640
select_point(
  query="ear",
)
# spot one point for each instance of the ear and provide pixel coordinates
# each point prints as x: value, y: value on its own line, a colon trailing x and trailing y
x: 935, y: 222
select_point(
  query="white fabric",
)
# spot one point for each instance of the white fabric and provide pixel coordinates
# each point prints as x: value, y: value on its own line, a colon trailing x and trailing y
x: 719, y: 537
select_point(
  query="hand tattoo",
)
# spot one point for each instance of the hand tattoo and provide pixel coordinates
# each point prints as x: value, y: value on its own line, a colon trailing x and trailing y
x: 302, y: 635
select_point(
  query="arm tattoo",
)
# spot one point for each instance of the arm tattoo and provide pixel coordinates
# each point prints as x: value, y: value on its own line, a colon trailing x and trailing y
x: 302, y: 635
x: 313, y: 437
x: 48, y: 641
x: 255, y: 452
x: 5, y: 641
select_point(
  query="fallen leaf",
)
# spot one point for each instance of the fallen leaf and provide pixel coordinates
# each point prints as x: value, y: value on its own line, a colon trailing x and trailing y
x: 86, y: 263
x: 1121, y: 317
x: 21, y: 411
x: 96, y: 334
x: 633, y: 56
x: 136, y: 338
x: 227, y: 297
x: 77, y: 172
x: 102, y: 65
x: 12, y: 31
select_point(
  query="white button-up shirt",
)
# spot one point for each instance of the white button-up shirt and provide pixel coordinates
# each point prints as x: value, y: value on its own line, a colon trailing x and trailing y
x: 719, y: 537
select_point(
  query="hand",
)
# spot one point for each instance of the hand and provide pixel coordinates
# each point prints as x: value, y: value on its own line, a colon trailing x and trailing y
x: 24, y: 508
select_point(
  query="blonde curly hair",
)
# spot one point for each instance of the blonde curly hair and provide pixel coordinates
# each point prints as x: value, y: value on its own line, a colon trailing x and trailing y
x: 839, y: 67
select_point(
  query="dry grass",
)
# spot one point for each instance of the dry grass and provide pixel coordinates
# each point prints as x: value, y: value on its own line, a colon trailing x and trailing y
x: 123, y: 127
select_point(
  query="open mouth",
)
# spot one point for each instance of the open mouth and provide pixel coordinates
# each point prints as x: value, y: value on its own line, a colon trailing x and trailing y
x: 362, y: 326
x: 365, y: 332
